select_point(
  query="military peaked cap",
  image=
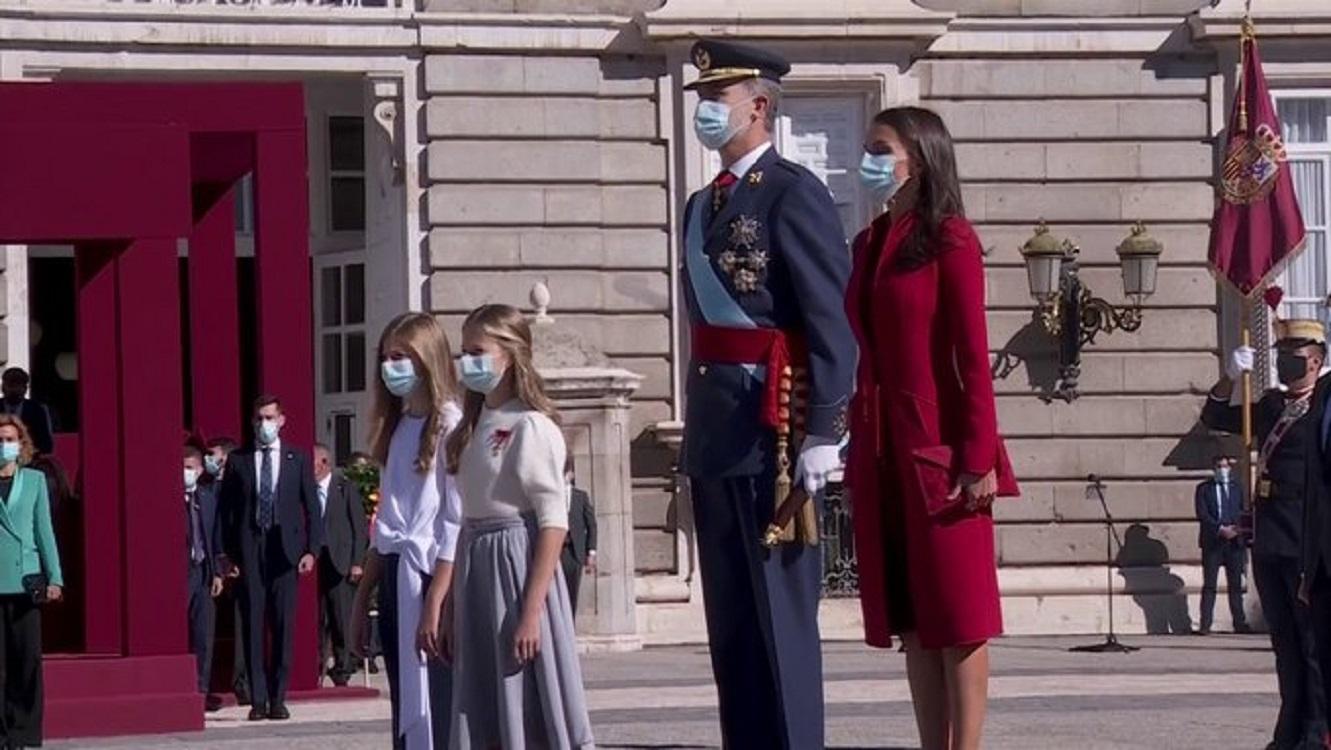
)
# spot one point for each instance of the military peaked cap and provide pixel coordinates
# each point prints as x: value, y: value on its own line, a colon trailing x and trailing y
x: 1298, y: 333
x: 727, y: 62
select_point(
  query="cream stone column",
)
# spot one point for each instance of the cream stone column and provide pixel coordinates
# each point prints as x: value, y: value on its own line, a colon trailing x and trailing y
x: 593, y: 400
x: 387, y: 266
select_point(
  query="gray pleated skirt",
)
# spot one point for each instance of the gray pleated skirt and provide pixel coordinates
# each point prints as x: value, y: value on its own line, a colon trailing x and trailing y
x: 496, y: 703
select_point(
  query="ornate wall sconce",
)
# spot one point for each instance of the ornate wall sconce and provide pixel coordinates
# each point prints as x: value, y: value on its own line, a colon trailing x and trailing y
x: 1068, y: 309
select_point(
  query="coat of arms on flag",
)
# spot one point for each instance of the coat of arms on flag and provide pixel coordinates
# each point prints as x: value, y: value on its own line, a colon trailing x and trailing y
x: 1252, y: 165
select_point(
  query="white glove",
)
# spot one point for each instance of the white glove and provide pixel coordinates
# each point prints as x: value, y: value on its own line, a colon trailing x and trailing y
x: 818, y: 459
x: 1240, y: 361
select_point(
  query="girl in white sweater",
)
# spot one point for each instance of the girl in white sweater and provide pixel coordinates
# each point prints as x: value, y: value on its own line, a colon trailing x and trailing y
x: 416, y: 527
x: 517, y: 681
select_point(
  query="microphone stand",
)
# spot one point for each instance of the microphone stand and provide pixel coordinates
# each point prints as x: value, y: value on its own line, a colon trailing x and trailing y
x: 1111, y: 644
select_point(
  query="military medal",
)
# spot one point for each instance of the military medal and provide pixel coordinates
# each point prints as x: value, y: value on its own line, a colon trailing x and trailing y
x: 744, y: 262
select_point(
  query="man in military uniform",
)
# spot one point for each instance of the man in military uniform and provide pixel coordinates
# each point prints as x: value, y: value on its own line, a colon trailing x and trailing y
x: 765, y: 267
x: 1287, y: 426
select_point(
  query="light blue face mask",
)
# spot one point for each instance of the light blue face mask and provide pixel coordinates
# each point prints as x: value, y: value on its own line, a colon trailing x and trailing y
x: 878, y: 176
x: 191, y: 479
x: 267, y: 431
x: 399, y: 376
x: 8, y: 453
x: 477, y: 373
x: 711, y: 122
x: 212, y: 464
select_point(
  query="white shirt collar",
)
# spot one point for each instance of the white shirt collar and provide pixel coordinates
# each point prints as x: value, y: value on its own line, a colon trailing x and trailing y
x: 276, y: 446
x: 326, y: 482
x: 746, y: 162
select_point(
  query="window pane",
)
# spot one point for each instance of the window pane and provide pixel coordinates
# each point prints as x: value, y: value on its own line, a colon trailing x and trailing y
x: 332, y: 364
x: 348, y: 204
x: 1304, y: 120
x: 355, y: 362
x: 343, y: 425
x: 346, y: 144
x: 1310, y: 186
x: 331, y: 285
x: 354, y: 285
x: 244, y: 203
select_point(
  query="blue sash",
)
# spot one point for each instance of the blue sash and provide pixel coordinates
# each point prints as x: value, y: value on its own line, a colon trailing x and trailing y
x: 715, y: 304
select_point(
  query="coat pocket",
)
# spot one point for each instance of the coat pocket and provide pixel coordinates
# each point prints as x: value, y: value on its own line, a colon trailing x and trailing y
x: 934, y: 478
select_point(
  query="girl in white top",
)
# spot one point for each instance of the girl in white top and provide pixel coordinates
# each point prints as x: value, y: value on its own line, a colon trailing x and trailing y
x: 416, y: 526
x: 517, y: 681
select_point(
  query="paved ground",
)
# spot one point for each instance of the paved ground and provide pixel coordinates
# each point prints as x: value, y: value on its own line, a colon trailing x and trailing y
x: 1177, y: 693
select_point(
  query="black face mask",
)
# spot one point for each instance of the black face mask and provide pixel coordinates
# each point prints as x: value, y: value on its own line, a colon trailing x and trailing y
x: 1290, y: 366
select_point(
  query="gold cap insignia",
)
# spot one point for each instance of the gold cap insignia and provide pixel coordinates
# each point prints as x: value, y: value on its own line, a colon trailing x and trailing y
x: 755, y: 178
x: 702, y: 59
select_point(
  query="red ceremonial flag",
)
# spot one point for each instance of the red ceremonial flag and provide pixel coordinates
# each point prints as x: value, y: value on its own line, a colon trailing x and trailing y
x: 1257, y: 226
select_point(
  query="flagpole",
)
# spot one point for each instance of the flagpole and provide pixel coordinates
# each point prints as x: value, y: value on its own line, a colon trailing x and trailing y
x: 1245, y: 466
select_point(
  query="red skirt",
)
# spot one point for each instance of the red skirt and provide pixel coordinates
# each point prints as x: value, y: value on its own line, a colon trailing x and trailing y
x: 934, y: 575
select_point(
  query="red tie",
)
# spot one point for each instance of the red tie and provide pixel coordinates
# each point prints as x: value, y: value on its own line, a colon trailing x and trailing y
x: 721, y: 190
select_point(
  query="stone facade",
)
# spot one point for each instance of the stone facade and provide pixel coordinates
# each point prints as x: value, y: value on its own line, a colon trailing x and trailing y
x: 546, y: 141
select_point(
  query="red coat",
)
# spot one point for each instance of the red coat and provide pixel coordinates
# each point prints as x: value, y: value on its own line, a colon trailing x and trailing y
x: 923, y: 413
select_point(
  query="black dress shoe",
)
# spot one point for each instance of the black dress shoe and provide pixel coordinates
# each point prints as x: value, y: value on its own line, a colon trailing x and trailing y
x: 279, y: 712
x: 1243, y: 628
x: 1203, y: 631
x: 212, y: 703
x: 258, y: 712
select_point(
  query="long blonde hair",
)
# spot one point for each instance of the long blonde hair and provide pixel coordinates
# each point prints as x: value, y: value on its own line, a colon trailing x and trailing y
x: 420, y: 335
x: 509, y: 328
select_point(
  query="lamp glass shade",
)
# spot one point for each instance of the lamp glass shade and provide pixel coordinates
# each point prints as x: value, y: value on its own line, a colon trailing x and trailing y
x: 1042, y: 274
x: 1139, y: 274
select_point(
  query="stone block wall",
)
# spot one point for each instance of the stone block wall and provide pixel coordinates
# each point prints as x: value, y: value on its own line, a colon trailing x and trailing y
x: 553, y: 168
x: 1091, y: 145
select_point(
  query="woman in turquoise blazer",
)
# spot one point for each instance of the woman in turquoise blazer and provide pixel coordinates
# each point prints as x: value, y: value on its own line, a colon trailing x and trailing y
x: 27, y: 548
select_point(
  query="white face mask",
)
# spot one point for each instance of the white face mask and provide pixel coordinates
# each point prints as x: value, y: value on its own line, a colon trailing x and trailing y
x: 191, y: 479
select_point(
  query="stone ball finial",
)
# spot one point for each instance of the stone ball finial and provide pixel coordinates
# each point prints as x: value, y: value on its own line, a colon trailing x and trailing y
x: 540, y: 301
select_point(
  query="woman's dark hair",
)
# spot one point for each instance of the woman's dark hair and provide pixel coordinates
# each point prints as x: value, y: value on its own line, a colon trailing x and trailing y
x: 934, y: 170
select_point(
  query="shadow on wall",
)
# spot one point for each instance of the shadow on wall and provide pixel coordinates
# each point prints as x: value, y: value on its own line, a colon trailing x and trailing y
x: 1032, y: 349
x: 1196, y: 451
x: 1143, y: 562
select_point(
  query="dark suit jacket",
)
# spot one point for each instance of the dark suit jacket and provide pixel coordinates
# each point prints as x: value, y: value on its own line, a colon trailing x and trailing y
x: 581, y: 526
x: 1210, y: 516
x: 37, y: 418
x: 206, y: 496
x: 296, y: 506
x: 346, y: 532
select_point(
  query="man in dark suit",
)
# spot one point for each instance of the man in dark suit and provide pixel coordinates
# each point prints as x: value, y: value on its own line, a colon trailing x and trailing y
x: 219, y: 449
x: 765, y: 272
x: 580, y: 543
x: 202, y: 545
x: 273, y: 529
x: 1219, y: 504
x: 346, y: 538
x: 14, y: 386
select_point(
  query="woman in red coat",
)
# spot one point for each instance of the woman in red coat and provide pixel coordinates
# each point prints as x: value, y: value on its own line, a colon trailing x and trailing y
x: 925, y: 459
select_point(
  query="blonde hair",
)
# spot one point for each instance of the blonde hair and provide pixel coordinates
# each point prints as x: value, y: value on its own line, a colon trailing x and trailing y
x: 509, y: 328
x: 25, y: 448
x: 421, y: 336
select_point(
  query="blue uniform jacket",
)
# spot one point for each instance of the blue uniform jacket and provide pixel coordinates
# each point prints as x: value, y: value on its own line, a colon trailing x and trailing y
x: 775, y: 256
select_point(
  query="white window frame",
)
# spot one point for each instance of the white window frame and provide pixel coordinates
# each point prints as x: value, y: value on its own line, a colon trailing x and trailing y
x: 1307, y: 151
